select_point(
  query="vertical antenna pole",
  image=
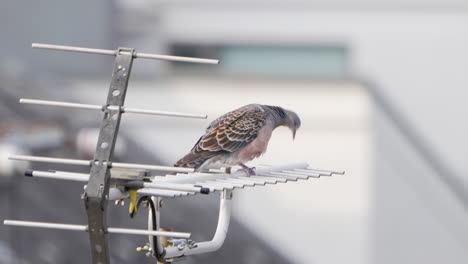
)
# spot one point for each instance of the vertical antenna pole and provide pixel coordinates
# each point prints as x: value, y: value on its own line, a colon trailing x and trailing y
x: 98, y: 185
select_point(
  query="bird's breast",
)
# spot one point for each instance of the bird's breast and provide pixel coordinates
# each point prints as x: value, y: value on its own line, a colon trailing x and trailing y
x: 258, y: 146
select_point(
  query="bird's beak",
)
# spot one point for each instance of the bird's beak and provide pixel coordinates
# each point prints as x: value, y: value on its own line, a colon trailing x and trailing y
x: 294, y: 133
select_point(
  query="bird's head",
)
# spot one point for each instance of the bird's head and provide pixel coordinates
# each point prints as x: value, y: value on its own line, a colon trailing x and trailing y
x: 292, y: 121
x: 285, y: 117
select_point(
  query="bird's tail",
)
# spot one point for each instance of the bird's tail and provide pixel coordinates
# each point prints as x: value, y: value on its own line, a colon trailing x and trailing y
x: 188, y: 162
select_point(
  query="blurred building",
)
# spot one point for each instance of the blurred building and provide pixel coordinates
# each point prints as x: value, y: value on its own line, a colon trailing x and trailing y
x: 372, y: 81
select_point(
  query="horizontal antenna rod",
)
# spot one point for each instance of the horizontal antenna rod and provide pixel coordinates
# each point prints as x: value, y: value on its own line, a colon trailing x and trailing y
x: 58, y: 175
x: 197, y: 177
x: 150, y: 167
x: 88, y: 163
x: 112, y: 230
x: 63, y: 175
x: 162, y: 193
x: 304, y: 175
x: 51, y: 160
x: 175, y: 187
x: 114, y: 52
x: 327, y: 171
x: 101, y: 108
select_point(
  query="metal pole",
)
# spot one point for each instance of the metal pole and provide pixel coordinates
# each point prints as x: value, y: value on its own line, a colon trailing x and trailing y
x: 162, y: 193
x: 113, y: 230
x: 146, y: 232
x: 83, y: 177
x: 59, y: 175
x: 45, y: 225
x: 103, y: 108
x: 90, y: 162
x: 51, y: 160
x: 97, y: 189
x: 150, y: 167
x: 176, y: 187
x: 162, y: 113
x: 124, y: 52
x: 289, y: 177
x: 272, y: 178
x: 63, y: 104
x: 299, y: 175
x: 321, y: 173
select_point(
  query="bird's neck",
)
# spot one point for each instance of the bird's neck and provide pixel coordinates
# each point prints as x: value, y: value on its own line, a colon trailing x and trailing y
x: 275, y: 122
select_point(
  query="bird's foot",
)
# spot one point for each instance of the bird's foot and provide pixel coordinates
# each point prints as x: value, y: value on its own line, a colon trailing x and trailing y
x: 248, y: 170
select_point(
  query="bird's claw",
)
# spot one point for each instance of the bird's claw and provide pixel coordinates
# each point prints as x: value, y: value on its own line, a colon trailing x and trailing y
x: 248, y: 170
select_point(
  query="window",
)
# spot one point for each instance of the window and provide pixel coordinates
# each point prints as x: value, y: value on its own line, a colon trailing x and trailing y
x: 270, y: 61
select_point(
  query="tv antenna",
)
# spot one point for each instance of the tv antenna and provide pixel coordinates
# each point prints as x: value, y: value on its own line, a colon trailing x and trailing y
x: 109, y: 180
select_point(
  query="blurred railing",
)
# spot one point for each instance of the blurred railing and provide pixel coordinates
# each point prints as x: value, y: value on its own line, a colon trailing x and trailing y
x: 416, y: 140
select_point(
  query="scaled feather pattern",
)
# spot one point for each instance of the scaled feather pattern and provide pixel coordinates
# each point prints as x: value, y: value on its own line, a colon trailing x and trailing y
x: 238, y: 136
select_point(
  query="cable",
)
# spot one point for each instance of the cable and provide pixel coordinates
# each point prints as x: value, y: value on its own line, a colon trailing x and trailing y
x: 159, y: 257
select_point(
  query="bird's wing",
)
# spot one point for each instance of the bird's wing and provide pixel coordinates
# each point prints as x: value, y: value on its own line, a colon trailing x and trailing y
x: 233, y: 130
x: 227, y: 134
